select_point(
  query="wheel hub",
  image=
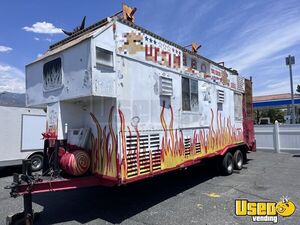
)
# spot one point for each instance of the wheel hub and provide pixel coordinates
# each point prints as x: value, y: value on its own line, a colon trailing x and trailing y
x: 229, y: 166
x: 35, y: 163
x: 239, y: 161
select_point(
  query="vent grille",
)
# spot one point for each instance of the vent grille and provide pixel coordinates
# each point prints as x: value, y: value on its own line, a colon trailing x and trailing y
x: 197, y: 147
x: 154, y: 147
x: 143, y: 154
x: 221, y: 96
x: 131, y: 155
x: 187, y: 146
x: 166, y: 86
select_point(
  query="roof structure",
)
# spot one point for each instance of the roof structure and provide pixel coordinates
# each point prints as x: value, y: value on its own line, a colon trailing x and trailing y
x: 72, y: 40
x: 82, y: 35
x: 275, y: 100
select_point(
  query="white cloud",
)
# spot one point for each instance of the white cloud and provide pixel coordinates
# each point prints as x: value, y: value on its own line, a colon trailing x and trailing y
x: 11, y: 79
x: 262, y: 45
x: 36, y: 38
x: 39, y: 55
x: 278, y: 86
x: 262, y: 48
x: 257, y: 44
x: 43, y: 28
x: 48, y: 39
x: 5, y: 48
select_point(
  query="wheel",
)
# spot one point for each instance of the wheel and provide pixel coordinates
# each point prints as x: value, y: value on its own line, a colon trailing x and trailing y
x: 36, y: 162
x: 227, y: 164
x: 238, y: 160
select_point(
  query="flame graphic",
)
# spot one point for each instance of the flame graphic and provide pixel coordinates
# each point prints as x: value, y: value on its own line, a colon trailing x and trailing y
x: 123, y: 139
x: 224, y: 135
x: 210, y: 140
x: 172, y: 149
x: 105, y: 159
x: 104, y: 149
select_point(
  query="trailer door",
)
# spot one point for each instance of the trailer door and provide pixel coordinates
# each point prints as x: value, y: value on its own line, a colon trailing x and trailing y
x: 32, y: 128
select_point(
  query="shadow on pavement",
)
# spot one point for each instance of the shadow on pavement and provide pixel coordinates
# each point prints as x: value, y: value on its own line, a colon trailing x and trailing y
x: 117, y: 204
x: 9, y: 170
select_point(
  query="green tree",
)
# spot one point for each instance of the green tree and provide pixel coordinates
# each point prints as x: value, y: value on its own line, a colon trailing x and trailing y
x: 273, y: 114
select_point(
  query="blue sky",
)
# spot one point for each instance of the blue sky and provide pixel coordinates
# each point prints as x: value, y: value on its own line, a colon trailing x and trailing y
x: 253, y: 37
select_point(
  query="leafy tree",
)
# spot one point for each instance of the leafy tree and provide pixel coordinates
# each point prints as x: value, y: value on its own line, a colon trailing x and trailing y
x: 257, y: 115
x: 273, y: 114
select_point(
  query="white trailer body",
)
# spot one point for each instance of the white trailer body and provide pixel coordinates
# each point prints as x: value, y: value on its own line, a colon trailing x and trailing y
x: 20, y: 134
x: 151, y: 105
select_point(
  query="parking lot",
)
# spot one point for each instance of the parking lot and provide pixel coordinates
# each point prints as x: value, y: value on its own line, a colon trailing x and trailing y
x: 193, y: 196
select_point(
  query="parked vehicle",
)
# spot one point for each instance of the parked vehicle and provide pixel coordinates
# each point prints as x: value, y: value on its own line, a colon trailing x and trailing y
x: 21, y: 136
x: 126, y: 104
x: 264, y: 121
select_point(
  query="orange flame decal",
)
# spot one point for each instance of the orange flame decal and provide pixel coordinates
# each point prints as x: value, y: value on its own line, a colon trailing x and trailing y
x: 173, y: 151
x: 104, y: 149
x: 123, y: 139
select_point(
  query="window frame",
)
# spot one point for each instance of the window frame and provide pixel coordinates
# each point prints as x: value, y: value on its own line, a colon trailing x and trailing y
x: 190, y: 109
x: 98, y: 63
x: 237, y: 109
x: 59, y: 57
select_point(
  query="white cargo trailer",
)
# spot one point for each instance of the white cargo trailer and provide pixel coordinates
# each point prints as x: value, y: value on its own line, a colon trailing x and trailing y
x: 21, y: 136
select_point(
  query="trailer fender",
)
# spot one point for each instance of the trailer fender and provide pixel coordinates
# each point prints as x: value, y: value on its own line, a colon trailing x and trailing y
x: 242, y: 147
x: 37, y: 163
x: 33, y: 153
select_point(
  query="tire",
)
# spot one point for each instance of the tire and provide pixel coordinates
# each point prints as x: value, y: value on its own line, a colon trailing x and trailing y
x: 36, y: 162
x: 227, y: 164
x: 238, y: 160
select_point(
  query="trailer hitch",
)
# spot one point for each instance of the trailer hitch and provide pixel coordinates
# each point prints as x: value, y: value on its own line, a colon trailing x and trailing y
x: 14, y: 187
x: 27, y: 216
x: 28, y: 180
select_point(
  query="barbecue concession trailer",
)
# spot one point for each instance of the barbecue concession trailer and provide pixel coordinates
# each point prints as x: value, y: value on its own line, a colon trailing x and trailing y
x: 124, y: 104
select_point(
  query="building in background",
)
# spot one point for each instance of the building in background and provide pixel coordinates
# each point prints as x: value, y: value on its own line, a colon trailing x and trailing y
x: 269, y: 108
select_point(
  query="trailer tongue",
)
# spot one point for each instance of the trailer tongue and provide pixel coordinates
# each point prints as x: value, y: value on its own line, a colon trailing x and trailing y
x: 124, y: 104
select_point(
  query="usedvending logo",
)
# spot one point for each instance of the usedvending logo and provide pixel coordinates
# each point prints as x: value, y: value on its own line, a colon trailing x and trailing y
x: 265, y: 211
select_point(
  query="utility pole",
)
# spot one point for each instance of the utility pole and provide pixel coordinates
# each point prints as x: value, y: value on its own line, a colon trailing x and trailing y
x: 290, y: 60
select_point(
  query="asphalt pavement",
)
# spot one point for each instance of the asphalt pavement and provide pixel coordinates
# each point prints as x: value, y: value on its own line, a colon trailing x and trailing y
x: 197, y: 195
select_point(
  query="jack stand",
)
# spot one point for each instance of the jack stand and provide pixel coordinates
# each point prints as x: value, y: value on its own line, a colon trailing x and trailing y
x: 27, y: 216
x: 28, y: 211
